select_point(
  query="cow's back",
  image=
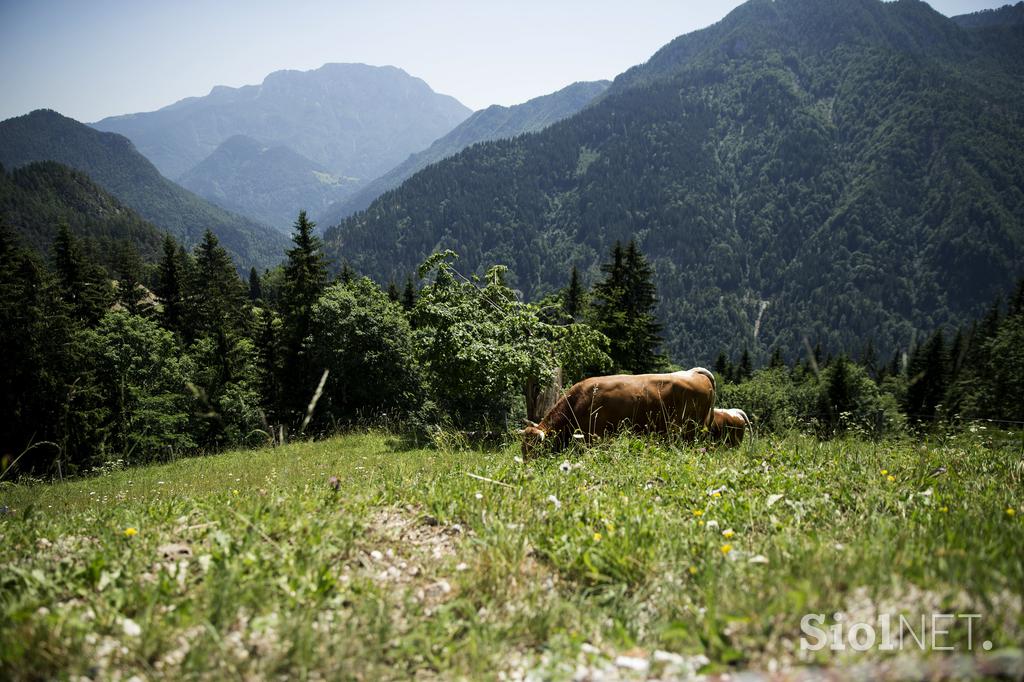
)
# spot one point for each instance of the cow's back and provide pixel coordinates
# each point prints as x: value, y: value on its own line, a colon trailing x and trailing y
x: 646, y: 402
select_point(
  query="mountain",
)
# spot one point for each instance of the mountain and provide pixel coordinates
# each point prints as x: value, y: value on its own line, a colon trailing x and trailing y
x: 269, y: 184
x: 36, y: 199
x: 493, y: 123
x: 354, y: 120
x: 112, y: 162
x: 1007, y: 15
x: 803, y: 171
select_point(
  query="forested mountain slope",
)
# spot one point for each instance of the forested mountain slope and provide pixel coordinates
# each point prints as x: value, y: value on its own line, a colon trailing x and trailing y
x: 112, y: 162
x: 493, y: 123
x: 834, y: 170
x: 36, y: 199
x: 271, y: 184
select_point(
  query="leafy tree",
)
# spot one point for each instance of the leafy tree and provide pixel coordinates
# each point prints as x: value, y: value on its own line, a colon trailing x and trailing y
x: 141, y: 376
x: 361, y: 335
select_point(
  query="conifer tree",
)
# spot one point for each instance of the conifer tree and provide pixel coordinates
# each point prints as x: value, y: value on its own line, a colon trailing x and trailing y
x: 169, y: 286
x: 255, y: 286
x: 216, y: 293
x: 745, y: 369
x: 573, y: 304
x: 84, y: 284
x: 393, y: 294
x: 776, y: 361
x: 623, y: 309
x: 408, y: 296
x: 305, y: 277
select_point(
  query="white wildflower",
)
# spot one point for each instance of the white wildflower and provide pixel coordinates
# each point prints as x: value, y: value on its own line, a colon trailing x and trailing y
x: 131, y: 628
x: 554, y: 500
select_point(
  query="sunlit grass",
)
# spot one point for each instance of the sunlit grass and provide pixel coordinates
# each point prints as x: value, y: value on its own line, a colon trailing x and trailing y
x: 465, y: 562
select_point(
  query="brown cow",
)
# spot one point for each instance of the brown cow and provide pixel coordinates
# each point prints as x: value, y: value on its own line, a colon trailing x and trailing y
x: 654, y: 403
x: 728, y: 426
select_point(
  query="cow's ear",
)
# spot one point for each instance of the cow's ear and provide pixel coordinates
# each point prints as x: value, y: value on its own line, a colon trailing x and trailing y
x: 527, y: 422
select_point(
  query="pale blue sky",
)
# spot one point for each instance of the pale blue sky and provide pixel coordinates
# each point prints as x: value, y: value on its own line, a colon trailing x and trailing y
x: 93, y: 58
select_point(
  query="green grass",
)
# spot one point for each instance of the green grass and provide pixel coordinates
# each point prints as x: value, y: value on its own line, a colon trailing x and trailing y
x: 412, y: 565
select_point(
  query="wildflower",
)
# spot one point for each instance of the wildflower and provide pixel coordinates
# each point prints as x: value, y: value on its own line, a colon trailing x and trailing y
x: 891, y: 479
x: 726, y: 548
x: 693, y: 570
x: 728, y: 533
x: 554, y: 500
x: 597, y: 537
x: 943, y: 509
x: 131, y: 628
x: 885, y: 471
x: 717, y: 492
x: 711, y: 524
x: 479, y: 496
x: 234, y: 492
x: 759, y: 559
x: 698, y: 512
x: 565, y: 467
x: 1010, y: 511
x: 131, y: 531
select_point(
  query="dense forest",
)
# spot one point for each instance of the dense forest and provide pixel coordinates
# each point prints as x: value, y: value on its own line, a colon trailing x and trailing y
x: 802, y: 170
x: 130, y: 363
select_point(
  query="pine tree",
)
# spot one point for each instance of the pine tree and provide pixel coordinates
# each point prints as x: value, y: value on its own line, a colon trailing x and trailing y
x: 776, y: 361
x: 623, y: 309
x: 305, y: 277
x: 216, y: 293
x: 255, y: 286
x: 927, y: 378
x: 723, y: 368
x: 408, y: 296
x: 745, y: 369
x: 84, y: 284
x: 130, y: 291
x: 573, y: 304
x: 393, y: 294
x: 869, y: 359
x: 170, y: 287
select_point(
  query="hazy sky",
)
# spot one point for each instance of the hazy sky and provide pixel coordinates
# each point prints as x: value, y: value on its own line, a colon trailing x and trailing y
x: 93, y: 58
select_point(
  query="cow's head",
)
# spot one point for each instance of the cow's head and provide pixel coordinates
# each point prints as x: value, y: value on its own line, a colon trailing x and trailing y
x: 533, y: 438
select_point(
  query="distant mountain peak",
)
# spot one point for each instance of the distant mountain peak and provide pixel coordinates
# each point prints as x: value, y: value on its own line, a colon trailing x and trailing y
x: 354, y: 119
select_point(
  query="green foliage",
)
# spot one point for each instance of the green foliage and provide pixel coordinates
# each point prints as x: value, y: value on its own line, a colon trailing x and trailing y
x: 305, y: 276
x: 38, y: 198
x: 477, y: 346
x: 835, y: 170
x: 362, y: 336
x: 113, y: 163
x: 141, y: 378
x: 85, y: 285
x: 362, y: 557
x: 622, y: 308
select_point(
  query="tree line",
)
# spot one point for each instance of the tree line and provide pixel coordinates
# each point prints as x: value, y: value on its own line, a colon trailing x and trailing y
x: 146, y: 362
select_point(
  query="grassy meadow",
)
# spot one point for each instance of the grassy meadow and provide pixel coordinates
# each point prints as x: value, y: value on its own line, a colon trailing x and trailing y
x: 369, y: 557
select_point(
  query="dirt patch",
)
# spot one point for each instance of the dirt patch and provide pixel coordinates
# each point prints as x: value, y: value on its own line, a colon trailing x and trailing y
x: 407, y: 548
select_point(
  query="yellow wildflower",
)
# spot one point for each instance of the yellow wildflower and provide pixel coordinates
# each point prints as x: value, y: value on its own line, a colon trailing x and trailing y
x: 130, y: 531
x: 597, y: 537
x: 234, y: 492
x: 728, y: 533
x: 891, y: 479
x: 1011, y: 511
x: 885, y: 471
x: 726, y: 549
x: 693, y: 570
x: 698, y: 512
